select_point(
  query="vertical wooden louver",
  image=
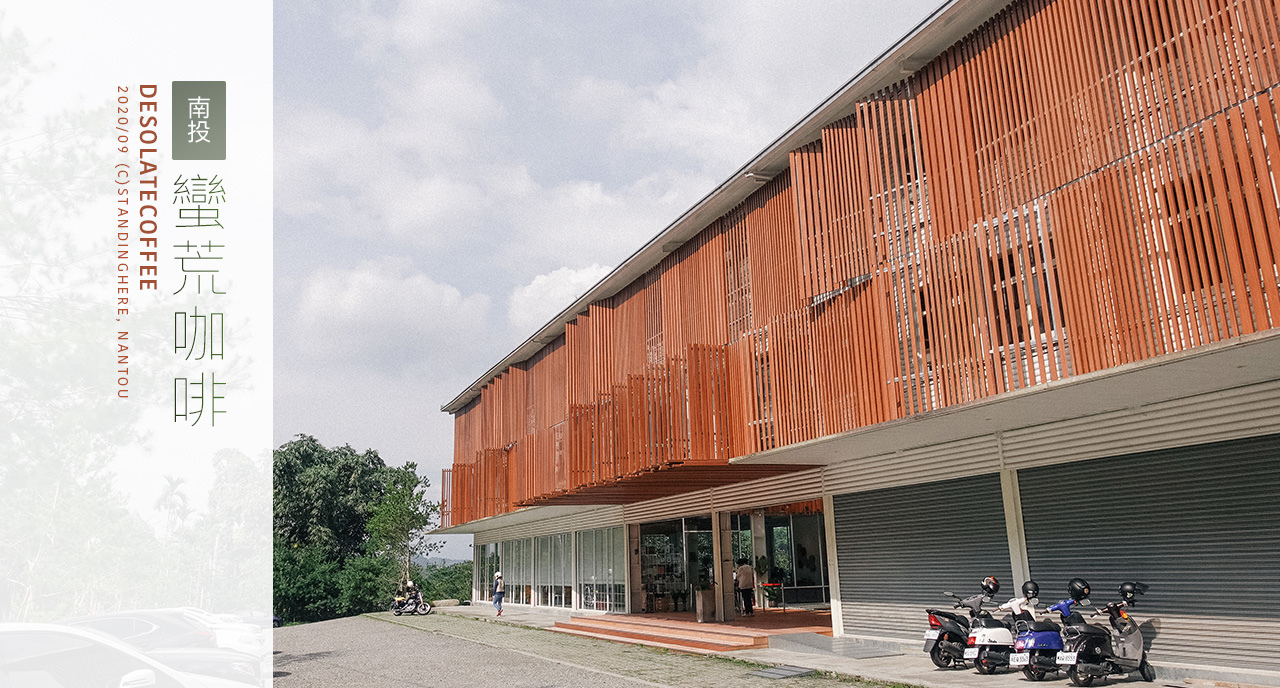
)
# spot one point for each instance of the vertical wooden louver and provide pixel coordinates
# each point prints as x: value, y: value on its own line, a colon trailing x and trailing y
x: 1076, y: 185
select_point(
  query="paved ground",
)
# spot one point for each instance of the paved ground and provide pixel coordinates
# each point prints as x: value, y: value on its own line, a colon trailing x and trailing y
x: 440, y: 650
x: 911, y: 667
x: 358, y: 652
x: 467, y: 646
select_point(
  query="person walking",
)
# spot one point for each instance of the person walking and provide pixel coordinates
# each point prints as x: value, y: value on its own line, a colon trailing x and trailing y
x: 747, y: 587
x: 499, y: 590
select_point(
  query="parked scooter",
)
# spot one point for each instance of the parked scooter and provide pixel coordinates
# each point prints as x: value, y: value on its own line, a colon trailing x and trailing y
x: 991, y: 640
x: 948, y: 634
x: 1092, y: 652
x: 1039, y: 642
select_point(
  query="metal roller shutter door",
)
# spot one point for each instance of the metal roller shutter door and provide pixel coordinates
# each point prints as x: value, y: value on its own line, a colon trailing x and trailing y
x: 901, y: 547
x: 1199, y: 524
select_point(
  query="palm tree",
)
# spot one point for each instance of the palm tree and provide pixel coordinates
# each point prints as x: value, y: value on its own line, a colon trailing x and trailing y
x: 173, y: 502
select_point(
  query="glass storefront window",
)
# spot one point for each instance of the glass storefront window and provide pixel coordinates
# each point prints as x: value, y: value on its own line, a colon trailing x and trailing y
x: 517, y: 570
x: 675, y: 558
x: 777, y: 533
x: 554, y: 574
x: 662, y: 564
x: 486, y: 565
x: 602, y: 569
x: 740, y: 535
x: 807, y: 538
x: 794, y: 549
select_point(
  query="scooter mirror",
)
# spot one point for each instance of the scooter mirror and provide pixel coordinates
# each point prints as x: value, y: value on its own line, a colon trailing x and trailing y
x: 1086, y: 601
x: 949, y: 594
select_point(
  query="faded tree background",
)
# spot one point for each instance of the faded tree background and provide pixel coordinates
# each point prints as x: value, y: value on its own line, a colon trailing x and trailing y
x: 77, y: 535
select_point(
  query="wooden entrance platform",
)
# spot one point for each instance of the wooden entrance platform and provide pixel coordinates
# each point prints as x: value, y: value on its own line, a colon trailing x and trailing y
x: 682, y: 633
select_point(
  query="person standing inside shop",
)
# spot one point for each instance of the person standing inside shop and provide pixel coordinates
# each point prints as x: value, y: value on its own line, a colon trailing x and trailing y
x: 499, y: 590
x: 747, y: 587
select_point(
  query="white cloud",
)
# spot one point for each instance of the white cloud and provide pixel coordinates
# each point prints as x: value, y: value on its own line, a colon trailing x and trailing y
x: 532, y: 305
x: 382, y: 314
x: 417, y: 27
x: 764, y: 65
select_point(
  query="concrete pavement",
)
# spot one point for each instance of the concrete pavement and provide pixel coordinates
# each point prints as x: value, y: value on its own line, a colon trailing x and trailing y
x: 853, y: 658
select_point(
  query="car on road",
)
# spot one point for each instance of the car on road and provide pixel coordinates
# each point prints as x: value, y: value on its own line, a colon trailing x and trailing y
x: 214, y: 661
x: 55, y: 656
x: 150, y: 629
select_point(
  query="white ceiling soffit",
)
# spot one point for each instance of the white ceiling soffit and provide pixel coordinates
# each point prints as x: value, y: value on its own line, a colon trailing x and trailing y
x: 940, y: 30
x: 1236, y: 363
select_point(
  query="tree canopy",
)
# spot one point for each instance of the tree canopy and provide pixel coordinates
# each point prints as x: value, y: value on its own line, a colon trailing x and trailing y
x: 346, y: 529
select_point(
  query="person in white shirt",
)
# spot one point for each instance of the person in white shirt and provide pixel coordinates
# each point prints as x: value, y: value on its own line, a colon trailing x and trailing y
x: 746, y: 586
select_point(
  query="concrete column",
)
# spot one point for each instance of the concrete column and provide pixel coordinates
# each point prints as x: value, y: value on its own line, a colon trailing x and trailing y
x: 722, y: 551
x: 758, y: 549
x: 635, y: 600
x: 477, y: 565
x: 573, y: 570
x: 1013, y: 527
x: 833, y: 564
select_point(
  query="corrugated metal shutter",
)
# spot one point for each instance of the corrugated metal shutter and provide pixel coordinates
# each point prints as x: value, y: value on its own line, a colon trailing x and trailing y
x: 901, y: 547
x: 1199, y: 524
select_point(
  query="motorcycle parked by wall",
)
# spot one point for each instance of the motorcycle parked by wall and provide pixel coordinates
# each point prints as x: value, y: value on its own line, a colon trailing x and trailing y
x: 1038, y: 643
x: 948, y: 634
x: 410, y: 604
x: 991, y: 640
x: 1093, y: 652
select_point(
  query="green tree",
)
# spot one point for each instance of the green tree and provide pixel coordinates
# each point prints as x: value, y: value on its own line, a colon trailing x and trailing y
x: 399, y: 523
x: 306, y: 585
x: 324, y: 496
x: 364, y: 582
x: 346, y: 528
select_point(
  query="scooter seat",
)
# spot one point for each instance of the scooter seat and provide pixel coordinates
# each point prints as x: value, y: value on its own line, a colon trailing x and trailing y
x: 987, y: 623
x: 1045, y: 627
x: 1090, y: 629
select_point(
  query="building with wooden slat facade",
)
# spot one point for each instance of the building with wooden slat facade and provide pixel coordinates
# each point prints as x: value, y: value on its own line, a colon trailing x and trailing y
x: 1005, y: 304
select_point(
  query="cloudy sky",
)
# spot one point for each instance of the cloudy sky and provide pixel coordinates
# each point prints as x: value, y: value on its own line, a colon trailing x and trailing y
x: 450, y: 175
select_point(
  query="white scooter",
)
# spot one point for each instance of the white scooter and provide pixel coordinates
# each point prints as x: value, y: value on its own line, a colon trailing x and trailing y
x: 991, y: 640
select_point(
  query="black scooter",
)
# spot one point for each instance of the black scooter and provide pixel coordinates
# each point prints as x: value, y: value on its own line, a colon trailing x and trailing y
x: 948, y: 633
x: 1090, y: 652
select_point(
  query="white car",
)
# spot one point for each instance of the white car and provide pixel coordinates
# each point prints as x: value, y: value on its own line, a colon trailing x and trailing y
x: 53, y: 656
x: 233, y: 635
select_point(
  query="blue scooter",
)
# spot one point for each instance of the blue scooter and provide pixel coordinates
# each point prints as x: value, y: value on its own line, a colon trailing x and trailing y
x: 1038, y: 643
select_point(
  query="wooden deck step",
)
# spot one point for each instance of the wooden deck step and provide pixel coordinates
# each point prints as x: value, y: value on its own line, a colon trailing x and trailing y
x: 708, y: 643
x: 726, y: 633
x: 634, y: 641
x: 701, y: 639
x: 642, y: 622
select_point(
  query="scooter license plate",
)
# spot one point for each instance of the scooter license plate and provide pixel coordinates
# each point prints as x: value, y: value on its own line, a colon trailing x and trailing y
x: 971, y: 653
x: 1066, y: 658
x: 930, y: 635
x: 1019, y: 659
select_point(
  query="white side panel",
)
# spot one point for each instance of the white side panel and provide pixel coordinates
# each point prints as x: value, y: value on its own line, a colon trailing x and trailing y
x: 688, y: 504
x: 604, y: 517
x: 793, y: 487
x: 1230, y: 414
x: 963, y: 458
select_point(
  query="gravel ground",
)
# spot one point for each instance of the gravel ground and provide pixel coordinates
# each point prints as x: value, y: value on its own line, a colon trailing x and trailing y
x: 389, y: 652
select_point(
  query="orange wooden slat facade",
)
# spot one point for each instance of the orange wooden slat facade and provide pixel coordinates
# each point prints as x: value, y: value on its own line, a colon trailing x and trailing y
x: 1076, y: 185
